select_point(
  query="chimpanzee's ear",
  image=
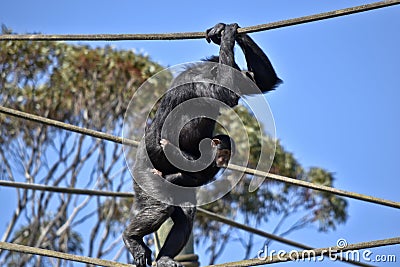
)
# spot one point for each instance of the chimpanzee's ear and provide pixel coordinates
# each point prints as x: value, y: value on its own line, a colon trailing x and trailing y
x: 215, y: 142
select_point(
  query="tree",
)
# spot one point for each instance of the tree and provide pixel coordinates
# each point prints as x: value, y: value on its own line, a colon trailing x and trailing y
x: 91, y: 88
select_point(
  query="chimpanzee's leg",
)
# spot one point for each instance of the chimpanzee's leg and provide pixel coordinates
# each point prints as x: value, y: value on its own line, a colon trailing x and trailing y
x: 258, y: 64
x: 178, y: 236
x: 147, y: 220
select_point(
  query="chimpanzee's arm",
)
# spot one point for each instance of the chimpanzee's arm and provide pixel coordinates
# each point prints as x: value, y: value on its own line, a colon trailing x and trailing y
x: 226, y: 54
x: 258, y: 63
x: 223, y: 35
x: 183, y: 179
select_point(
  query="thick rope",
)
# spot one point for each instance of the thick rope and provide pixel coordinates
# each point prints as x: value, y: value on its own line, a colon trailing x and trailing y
x: 60, y: 255
x: 292, y: 181
x: 66, y: 190
x: 206, y: 213
x: 120, y: 140
x: 66, y: 126
x: 299, y: 255
x: 198, y: 35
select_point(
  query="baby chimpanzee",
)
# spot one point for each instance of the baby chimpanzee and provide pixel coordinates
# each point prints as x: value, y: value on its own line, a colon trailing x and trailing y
x: 223, y: 147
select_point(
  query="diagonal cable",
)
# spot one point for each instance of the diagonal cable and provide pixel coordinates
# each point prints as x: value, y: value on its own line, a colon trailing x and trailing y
x: 209, y: 214
x: 120, y: 140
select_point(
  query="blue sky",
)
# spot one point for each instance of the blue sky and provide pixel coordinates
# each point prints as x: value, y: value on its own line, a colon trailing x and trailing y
x: 338, y: 107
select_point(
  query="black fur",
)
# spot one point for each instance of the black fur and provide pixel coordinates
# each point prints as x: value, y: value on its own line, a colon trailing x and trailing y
x: 151, y: 213
x: 194, y: 179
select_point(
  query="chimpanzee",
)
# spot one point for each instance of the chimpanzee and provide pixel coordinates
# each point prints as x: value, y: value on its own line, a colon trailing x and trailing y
x: 224, y: 147
x: 187, y: 134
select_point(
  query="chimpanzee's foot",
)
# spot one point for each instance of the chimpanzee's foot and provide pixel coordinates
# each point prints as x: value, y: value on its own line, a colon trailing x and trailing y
x: 165, y: 261
x: 140, y: 252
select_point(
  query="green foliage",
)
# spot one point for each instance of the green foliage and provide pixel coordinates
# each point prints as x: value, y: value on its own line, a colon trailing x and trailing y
x: 70, y: 83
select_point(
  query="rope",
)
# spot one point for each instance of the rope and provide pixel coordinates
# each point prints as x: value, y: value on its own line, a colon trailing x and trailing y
x: 66, y: 126
x: 60, y: 255
x: 207, y: 213
x: 198, y: 35
x: 308, y: 254
x: 324, y: 188
x: 112, y: 138
x: 67, y: 190
x: 299, y: 255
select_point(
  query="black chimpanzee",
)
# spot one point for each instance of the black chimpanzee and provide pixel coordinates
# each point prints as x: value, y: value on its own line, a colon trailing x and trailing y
x: 187, y: 134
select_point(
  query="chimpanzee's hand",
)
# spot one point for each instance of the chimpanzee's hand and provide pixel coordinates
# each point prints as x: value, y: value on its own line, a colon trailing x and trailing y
x: 156, y: 172
x: 228, y: 40
x: 230, y: 30
x: 164, y: 143
x: 214, y: 34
